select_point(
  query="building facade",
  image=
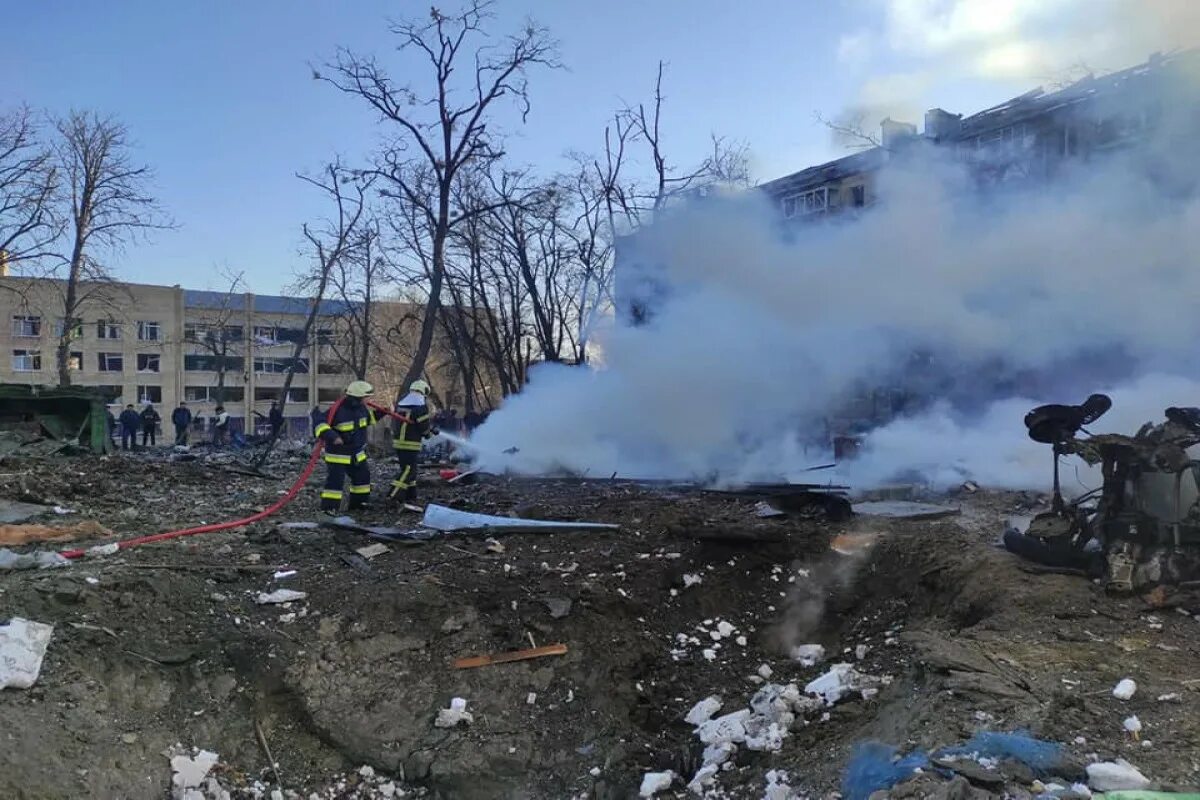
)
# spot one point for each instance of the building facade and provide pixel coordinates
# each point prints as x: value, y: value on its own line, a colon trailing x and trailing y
x: 143, y: 344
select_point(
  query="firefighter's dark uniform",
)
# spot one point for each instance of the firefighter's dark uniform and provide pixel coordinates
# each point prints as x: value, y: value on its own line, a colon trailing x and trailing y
x: 407, y: 442
x: 348, y: 459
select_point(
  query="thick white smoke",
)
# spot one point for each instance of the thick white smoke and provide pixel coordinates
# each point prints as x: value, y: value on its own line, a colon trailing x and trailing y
x: 1089, y: 283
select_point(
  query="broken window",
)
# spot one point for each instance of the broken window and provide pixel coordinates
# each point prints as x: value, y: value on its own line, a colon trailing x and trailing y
x: 26, y: 326
x: 107, y: 329
x: 149, y: 394
x: 193, y: 332
x: 278, y: 365
x: 264, y: 334
x: 149, y: 331
x: 332, y: 368
x: 209, y: 363
x: 328, y: 395
x: 26, y: 360
x: 148, y: 362
x: 324, y: 335
x: 858, y: 196
x: 195, y: 394
x: 111, y: 362
x: 75, y: 361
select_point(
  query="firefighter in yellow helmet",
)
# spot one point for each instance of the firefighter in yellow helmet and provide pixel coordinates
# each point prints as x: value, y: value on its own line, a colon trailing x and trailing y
x: 407, y: 442
x: 345, y: 437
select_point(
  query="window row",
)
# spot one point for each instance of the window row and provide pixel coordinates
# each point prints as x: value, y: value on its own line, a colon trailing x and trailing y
x: 29, y: 326
x: 31, y: 361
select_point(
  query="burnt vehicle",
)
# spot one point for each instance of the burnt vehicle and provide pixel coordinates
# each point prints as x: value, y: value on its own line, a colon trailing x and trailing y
x: 1141, y: 528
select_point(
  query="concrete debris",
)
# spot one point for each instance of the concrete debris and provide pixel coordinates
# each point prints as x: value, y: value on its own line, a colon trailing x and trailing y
x: 284, y: 574
x: 702, y: 712
x: 764, y: 510
x: 655, y: 782
x: 1133, y: 725
x: 279, y: 596
x: 558, y: 607
x: 456, y: 714
x: 1173, y: 697
x: 39, y: 559
x: 691, y: 579
x: 842, y: 680
x: 1113, y: 776
x: 724, y: 630
x: 1125, y: 690
x: 861, y: 651
x: 808, y: 655
x: 777, y: 786
x: 23, y: 645
x: 14, y: 512
x: 102, y: 550
x: 190, y: 772
x: 765, y: 671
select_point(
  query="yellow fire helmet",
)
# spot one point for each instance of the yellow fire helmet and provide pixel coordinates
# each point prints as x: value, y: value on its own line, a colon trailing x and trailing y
x: 360, y: 389
x: 419, y: 386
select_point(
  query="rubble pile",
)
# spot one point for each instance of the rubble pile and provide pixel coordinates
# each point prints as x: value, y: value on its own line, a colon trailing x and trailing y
x: 672, y: 656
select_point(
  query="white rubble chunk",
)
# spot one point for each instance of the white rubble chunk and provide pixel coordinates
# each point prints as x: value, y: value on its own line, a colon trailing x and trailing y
x: 23, y: 646
x: 279, y: 596
x: 729, y: 728
x: 809, y: 655
x: 765, y: 671
x: 778, y: 787
x: 454, y: 715
x: 717, y: 754
x: 861, y: 651
x: 1115, y: 776
x: 725, y: 629
x: 189, y: 773
x: 709, y: 654
x: 690, y: 579
x: 655, y: 782
x: 841, y: 680
x: 1133, y: 724
x: 702, y: 712
x: 705, y: 777
x: 1126, y: 689
x: 1173, y: 697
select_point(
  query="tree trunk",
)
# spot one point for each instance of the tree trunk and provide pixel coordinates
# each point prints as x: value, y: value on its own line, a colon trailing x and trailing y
x: 432, y: 306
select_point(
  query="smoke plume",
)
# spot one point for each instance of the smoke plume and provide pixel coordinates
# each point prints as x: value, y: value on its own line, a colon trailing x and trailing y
x: 1011, y: 297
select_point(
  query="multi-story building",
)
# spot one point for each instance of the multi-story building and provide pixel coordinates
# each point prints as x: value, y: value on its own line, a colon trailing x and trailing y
x: 142, y: 343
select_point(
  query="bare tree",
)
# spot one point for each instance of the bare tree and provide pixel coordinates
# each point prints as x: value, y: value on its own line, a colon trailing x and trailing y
x: 439, y: 132
x: 328, y: 242
x: 356, y: 281
x: 108, y: 205
x: 218, y: 336
x: 726, y: 164
x: 28, y: 179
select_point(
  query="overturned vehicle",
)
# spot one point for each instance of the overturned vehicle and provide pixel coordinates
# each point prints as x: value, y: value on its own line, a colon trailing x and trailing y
x: 1141, y: 528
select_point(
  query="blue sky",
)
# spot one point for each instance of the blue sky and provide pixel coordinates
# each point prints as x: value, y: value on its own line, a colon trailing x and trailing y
x: 219, y: 97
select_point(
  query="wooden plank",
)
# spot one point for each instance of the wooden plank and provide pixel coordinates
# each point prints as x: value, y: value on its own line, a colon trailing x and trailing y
x: 515, y: 655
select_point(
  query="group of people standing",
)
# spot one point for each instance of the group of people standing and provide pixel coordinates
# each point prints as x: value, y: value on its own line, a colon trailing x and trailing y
x: 132, y: 422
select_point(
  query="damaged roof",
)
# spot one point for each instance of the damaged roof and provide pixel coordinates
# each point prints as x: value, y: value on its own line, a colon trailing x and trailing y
x: 864, y: 161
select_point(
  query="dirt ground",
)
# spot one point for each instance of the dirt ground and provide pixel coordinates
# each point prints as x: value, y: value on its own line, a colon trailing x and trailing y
x: 164, y: 645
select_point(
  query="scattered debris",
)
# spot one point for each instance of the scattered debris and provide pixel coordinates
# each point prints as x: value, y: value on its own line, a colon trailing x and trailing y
x: 373, y: 550
x: 764, y: 510
x: 447, y: 520
x: 39, y: 559
x: 558, y: 607
x: 1109, y: 776
x: 506, y: 658
x: 1125, y: 689
x: 279, y: 596
x: 777, y: 786
x: 456, y: 714
x: 284, y: 574
x: 655, y: 782
x: 842, y: 680
x: 702, y: 712
x: 690, y: 579
x: 23, y: 645
x: 1133, y: 725
x: 189, y: 772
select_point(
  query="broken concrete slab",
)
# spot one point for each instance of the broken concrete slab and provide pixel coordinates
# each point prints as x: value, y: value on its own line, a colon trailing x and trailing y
x: 39, y: 559
x: 903, y: 509
x: 373, y: 550
x: 447, y: 520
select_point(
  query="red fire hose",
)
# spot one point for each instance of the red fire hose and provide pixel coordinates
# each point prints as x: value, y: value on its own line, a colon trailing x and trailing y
x: 288, y: 497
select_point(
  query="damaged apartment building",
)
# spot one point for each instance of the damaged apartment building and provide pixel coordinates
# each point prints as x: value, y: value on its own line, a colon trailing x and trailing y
x: 140, y: 343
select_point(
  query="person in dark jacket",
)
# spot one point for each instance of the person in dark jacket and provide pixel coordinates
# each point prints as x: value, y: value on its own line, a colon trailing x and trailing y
x: 181, y: 418
x: 131, y: 423
x: 316, y: 417
x: 275, y: 419
x: 409, y: 434
x: 345, y: 438
x: 150, y: 420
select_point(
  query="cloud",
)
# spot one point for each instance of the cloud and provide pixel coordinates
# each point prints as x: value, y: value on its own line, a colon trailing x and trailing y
x: 856, y: 48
